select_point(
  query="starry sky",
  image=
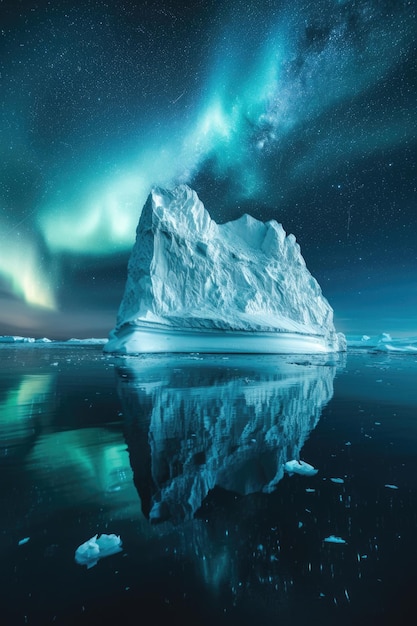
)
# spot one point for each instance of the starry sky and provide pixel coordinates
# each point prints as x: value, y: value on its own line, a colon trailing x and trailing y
x: 295, y: 110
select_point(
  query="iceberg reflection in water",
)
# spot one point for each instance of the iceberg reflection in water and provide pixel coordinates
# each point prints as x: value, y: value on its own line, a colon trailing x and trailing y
x: 194, y: 423
x: 222, y: 540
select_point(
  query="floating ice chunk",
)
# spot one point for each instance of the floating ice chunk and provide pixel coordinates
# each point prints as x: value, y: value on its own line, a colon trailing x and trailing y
x: 391, y: 486
x: 334, y: 539
x: 97, y: 548
x: 339, y: 481
x: 300, y: 467
x: 23, y: 541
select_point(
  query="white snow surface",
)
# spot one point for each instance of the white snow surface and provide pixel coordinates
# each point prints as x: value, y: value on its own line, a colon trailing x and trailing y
x: 195, y: 285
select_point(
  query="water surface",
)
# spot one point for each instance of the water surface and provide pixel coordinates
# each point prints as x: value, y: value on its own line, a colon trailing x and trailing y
x: 183, y: 457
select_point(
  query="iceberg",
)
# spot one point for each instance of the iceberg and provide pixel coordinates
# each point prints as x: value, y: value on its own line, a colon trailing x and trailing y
x: 299, y: 467
x: 197, y: 286
x: 98, y: 547
x: 16, y: 339
x: 334, y: 539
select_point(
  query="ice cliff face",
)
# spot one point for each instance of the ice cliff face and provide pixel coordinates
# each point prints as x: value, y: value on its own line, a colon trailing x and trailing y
x: 187, y: 274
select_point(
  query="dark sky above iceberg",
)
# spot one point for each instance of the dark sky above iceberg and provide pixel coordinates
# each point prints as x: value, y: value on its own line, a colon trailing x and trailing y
x: 300, y: 111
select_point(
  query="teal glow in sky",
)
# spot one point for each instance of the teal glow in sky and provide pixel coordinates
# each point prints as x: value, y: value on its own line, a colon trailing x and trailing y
x: 302, y: 112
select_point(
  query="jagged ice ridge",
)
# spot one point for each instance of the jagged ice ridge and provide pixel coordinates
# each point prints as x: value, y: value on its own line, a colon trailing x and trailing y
x: 197, y: 286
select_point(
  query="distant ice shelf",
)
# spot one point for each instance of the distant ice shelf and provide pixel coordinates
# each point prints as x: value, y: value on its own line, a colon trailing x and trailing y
x: 44, y: 341
x: 197, y: 286
x: 17, y: 339
x: 383, y: 342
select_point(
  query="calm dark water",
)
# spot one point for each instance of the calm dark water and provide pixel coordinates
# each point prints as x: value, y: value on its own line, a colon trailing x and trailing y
x: 183, y: 458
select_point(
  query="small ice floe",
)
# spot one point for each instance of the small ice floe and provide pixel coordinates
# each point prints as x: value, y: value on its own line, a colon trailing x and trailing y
x: 391, y: 486
x: 339, y: 481
x: 334, y: 539
x: 23, y: 541
x: 97, y: 548
x: 300, y: 467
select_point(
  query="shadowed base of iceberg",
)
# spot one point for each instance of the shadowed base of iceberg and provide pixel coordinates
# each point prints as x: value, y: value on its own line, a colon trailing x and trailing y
x: 153, y: 338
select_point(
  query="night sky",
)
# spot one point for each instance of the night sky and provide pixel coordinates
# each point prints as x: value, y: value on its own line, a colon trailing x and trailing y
x: 301, y: 111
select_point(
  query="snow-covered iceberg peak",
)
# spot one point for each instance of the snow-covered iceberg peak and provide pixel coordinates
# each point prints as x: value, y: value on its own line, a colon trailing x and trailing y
x: 197, y: 286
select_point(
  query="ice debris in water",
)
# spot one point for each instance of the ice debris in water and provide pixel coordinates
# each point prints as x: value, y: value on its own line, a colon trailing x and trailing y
x: 300, y: 467
x: 391, y: 486
x: 23, y: 541
x: 334, y: 539
x: 97, y: 548
x: 339, y: 481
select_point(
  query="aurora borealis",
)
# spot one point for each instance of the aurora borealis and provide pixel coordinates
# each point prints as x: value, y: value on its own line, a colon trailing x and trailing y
x: 300, y: 111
